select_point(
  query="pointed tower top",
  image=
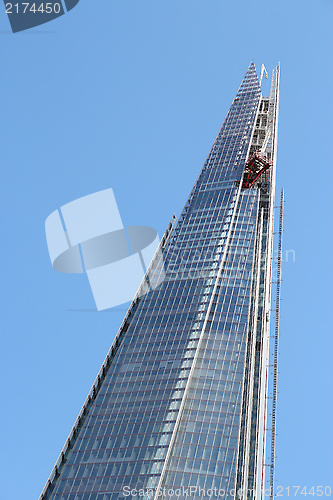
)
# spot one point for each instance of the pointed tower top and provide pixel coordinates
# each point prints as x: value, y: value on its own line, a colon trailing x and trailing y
x: 250, y: 81
x: 251, y: 69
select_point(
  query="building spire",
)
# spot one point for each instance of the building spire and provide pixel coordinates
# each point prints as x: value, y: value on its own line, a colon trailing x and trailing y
x: 250, y: 82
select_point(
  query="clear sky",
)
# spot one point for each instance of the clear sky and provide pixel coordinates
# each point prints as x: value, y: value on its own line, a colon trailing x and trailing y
x: 130, y: 94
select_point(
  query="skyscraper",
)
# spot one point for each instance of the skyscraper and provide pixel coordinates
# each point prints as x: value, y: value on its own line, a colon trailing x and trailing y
x: 179, y: 405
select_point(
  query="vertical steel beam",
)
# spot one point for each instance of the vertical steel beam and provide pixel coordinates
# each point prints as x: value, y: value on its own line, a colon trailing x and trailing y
x: 276, y: 347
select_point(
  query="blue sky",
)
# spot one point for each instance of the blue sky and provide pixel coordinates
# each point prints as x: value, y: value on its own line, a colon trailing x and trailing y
x: 130, y: 95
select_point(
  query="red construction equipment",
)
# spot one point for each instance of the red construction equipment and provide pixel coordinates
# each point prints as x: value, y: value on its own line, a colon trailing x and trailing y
x: 254, y: 168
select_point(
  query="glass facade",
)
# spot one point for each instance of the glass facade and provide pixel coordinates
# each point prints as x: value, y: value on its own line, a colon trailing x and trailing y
x: 179, y: 402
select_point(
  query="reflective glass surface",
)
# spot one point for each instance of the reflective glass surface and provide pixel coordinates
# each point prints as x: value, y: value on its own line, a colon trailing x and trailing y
x: 168, y: 411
